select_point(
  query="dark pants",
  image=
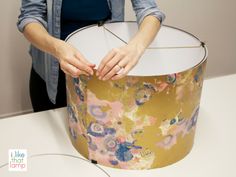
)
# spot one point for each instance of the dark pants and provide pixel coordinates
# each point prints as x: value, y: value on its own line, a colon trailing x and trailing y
x: 38, y: 92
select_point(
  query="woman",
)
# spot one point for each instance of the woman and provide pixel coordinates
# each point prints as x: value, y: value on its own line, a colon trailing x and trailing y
x: 46, y: 23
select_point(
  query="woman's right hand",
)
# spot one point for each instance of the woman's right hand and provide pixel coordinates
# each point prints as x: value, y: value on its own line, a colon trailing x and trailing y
x: 71, y: 61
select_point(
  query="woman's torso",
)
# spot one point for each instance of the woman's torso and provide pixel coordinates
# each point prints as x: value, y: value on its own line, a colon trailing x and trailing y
x: 76, y: 14
x: 47, y: 65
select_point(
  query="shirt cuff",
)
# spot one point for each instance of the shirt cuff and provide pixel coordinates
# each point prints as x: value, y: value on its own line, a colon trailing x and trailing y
x: 22, y: 23
x: 153, y: 12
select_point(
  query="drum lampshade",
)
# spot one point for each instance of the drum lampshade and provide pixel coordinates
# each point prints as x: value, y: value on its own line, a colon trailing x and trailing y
x: 147, y: 119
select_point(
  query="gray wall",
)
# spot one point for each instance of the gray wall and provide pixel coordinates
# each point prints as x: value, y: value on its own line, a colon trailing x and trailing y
x: 14, y: 63
x: 213, y: 21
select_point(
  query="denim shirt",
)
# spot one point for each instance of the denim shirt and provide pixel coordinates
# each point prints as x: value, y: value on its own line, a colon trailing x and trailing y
x: 48, y: 13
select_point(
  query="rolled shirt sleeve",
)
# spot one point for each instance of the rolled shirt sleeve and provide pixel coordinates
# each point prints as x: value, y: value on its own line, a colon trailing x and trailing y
x: 32, y: 11
x: 148, y: 7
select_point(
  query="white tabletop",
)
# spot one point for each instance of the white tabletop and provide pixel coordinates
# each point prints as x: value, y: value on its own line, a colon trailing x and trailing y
x: 213, y: 154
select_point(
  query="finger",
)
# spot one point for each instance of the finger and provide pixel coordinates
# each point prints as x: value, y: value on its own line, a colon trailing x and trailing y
x: 81, y: 65
x: 113, y: 72
x: 122, y: 63
x: 82, y: 58
x: 69, y: 74
x: 108, y: 57
x: 71, y: 70
x: 75, y: 71
x: 110, y: 65
x: 124, y: 72
x: 66, y: 73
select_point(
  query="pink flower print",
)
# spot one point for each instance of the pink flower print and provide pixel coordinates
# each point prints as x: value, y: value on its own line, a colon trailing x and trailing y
x: 110, y: 143
x: 162, y: 86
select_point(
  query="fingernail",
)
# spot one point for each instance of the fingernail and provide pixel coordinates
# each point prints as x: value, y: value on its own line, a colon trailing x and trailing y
x: 100, y: 78
x: 104, y: 79
x: 97, y: 73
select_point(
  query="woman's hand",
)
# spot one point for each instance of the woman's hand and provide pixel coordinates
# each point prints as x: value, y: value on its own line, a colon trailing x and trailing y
x: 119, y: 61
x: 71, y: 61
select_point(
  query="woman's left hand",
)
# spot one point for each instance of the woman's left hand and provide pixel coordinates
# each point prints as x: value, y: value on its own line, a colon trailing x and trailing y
x: 119, y: 61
